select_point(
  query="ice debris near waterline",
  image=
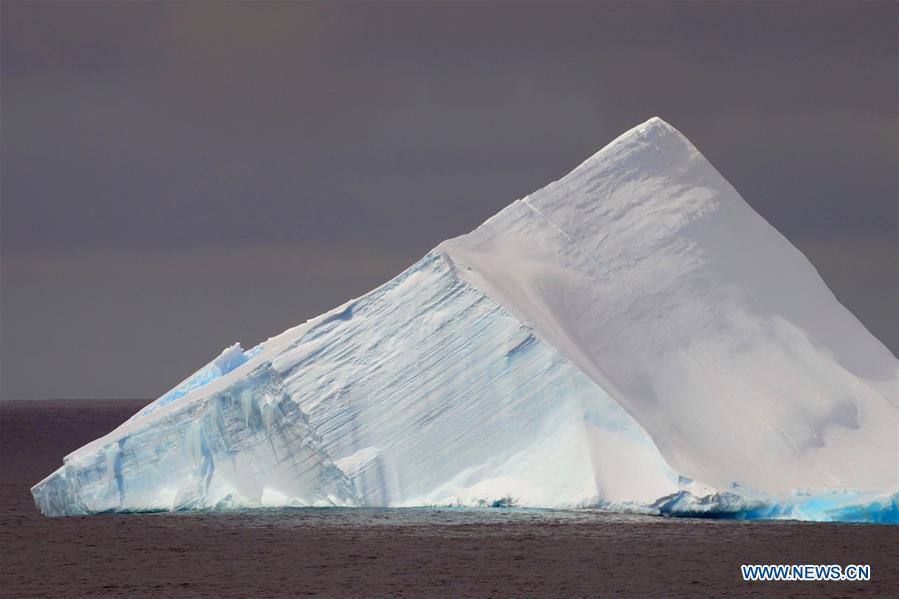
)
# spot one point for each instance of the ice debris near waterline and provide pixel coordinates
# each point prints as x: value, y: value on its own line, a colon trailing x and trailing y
x: 633, y: 336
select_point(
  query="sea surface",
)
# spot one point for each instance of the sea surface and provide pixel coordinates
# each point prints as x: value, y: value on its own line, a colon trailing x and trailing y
x: 329, y: 552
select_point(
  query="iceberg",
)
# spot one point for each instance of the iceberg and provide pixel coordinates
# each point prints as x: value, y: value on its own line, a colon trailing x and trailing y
x: 630, y: 337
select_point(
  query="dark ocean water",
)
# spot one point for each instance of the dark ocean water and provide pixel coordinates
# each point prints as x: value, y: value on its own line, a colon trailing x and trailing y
x: 387, y: 552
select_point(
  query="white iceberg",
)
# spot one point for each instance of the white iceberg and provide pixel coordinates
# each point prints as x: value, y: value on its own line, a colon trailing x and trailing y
x: 633, y: 336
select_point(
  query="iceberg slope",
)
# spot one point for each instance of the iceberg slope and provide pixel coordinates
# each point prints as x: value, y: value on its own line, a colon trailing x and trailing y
x: 632, y: 336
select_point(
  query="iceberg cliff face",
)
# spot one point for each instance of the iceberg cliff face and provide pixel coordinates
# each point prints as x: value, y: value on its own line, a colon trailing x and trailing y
x: 632, y: 337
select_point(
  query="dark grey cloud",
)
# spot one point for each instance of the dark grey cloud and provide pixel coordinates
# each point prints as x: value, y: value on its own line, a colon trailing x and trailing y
x: 150, y: 129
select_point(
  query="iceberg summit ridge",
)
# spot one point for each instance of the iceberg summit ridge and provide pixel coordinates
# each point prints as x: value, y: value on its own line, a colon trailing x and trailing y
x: 632, y: 336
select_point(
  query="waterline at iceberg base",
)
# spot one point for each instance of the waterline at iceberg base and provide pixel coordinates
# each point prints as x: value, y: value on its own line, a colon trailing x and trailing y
x: 632, y: 337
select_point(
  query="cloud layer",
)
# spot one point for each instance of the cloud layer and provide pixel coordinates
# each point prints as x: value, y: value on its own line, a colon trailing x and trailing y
x: 143, y: 129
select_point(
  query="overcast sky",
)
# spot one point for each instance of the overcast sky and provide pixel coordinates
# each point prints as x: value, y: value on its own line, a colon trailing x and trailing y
x: 175, y: 177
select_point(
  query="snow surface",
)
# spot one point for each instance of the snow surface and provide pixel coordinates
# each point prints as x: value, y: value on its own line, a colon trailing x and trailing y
x: 632, y: 337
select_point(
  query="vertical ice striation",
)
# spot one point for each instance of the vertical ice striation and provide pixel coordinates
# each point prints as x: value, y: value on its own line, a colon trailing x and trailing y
x: 247, y: 445
x: 633, y: 336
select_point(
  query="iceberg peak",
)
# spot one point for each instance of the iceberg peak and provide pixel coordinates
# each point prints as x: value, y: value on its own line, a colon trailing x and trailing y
x: 654, y: 135
x: 653, y: 129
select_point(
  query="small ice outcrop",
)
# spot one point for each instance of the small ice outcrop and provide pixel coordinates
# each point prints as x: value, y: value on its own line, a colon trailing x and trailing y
x: 230, y: 358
